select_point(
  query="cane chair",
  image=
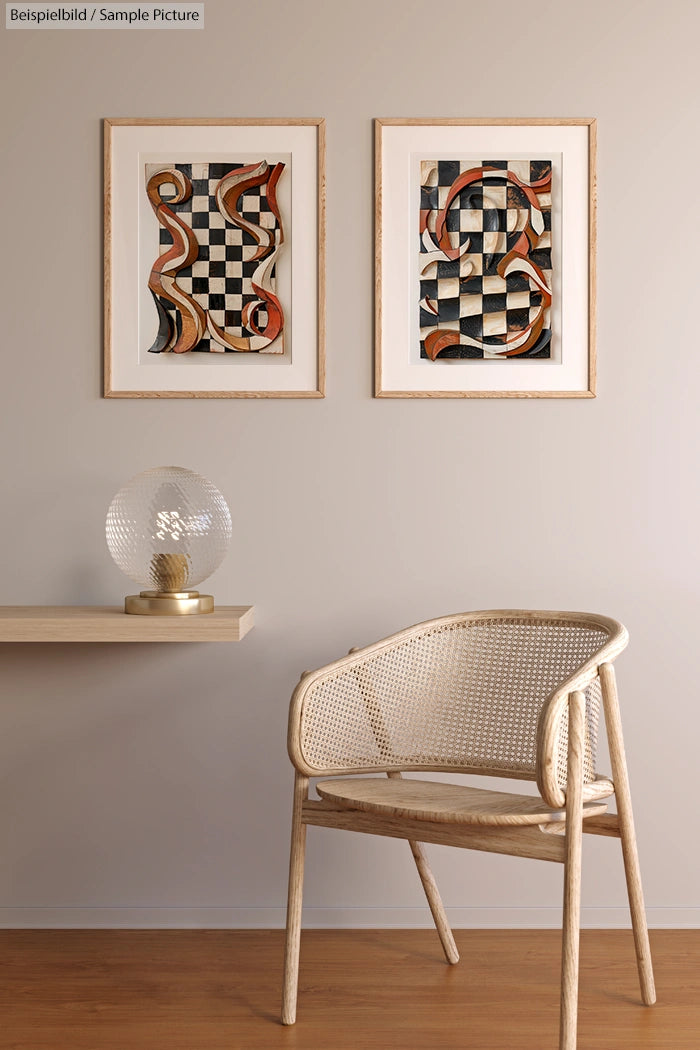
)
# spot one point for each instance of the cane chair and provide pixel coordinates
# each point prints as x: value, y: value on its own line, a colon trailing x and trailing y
x: 511, y: 694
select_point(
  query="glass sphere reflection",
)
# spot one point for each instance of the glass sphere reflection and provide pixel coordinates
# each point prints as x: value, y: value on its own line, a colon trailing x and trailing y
x: 168, y: 529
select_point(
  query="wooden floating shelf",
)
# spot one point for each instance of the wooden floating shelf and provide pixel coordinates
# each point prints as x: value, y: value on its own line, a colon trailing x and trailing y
x: 107, y: 623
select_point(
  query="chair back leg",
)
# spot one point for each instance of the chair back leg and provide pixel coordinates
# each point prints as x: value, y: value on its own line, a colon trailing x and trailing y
x: 294, y: 901
x: 432, y: 894
x: 572, y: 873
x: 435, y: 904
x: 627, y: 836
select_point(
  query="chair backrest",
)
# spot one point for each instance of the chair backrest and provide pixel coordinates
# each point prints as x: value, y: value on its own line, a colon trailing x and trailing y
x: 482, y: 692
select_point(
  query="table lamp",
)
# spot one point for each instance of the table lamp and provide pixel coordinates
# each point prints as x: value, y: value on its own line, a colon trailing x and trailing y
x: 168, y: 529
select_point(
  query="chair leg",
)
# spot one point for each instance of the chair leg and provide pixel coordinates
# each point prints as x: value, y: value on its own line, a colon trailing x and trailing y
x: 435, y: 903
x: 572, y: 873
x: 627, y: 835
x: 432, y: 894
x: 294, y: 900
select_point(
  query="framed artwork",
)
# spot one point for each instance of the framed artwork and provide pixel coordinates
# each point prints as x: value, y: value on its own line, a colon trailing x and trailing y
x: 214, y: 258
x: 485, y: 258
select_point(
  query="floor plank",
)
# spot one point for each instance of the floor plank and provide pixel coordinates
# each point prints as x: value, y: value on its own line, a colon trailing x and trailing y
x: 359, y: 990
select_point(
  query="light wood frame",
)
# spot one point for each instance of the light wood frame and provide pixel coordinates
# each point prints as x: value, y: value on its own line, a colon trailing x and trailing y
x: 586, y: 388
x: 495, y: 827
x: 316, y: 388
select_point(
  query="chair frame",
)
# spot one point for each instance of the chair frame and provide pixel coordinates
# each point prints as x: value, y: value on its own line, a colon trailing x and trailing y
x: 559, y: 841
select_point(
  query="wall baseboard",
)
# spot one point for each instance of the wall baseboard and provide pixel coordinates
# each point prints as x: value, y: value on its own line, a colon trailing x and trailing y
x: 331, y: 918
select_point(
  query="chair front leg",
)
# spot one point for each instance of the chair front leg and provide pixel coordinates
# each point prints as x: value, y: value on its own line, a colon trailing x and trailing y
x: 572, y: 873
x: 628, y: 838
x: 294, y: 901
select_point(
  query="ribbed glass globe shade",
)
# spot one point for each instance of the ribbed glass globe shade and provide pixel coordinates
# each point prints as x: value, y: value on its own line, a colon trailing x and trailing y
x: 168, y: 529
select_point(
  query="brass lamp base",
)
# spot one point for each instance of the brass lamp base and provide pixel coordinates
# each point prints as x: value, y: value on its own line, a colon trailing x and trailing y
x: 168, y: 603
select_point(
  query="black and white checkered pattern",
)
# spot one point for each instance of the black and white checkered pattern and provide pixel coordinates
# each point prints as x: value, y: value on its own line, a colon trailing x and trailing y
x: 219, y: 279
x: 468, y: 292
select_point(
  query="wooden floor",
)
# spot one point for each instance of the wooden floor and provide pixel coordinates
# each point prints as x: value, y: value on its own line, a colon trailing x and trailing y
x: 359, y: 990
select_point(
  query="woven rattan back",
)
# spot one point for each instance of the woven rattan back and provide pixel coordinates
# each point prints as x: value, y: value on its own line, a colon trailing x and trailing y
x: 474, y: 693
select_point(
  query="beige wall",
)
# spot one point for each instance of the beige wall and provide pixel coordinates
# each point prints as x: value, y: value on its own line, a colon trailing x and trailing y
x: 150, y: 784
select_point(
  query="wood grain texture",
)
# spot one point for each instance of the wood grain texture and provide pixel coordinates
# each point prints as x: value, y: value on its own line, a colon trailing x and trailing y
x: 592, y: 255
x: 294, y: 902
x: 518, y: 841
x: 214, y: 393
x: 444, y: 803
x: 107, y: 258
x: 319, y: 123
x: 98, y: 623
x: 571, y: 920
x: 378, y: 200
x: 359, y: 990
x: 432, y: 894
x: 608, y: 824
x: 486, y: 393
x: 321, y: 318
x: 189, y: 122
x: 591, y: 124
x: 486, y: 121
x: 628, y: 838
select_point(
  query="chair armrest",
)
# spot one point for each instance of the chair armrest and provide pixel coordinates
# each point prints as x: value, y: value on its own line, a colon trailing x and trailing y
x: 552, y: 729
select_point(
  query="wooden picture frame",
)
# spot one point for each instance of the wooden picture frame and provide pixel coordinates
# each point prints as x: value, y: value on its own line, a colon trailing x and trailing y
x: 478, y: 296
x: 214, y: 257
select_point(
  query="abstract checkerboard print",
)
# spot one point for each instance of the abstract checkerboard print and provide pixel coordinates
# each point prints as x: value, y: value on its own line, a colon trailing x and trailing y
x: 485, y: 259
x: 219, y: 279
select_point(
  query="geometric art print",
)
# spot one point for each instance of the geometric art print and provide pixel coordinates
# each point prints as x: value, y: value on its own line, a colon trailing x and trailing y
x: 485, y: 261
x: 214, y: 280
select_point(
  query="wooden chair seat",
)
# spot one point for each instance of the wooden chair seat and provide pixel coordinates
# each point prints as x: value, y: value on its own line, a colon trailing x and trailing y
x: 443, y: 803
